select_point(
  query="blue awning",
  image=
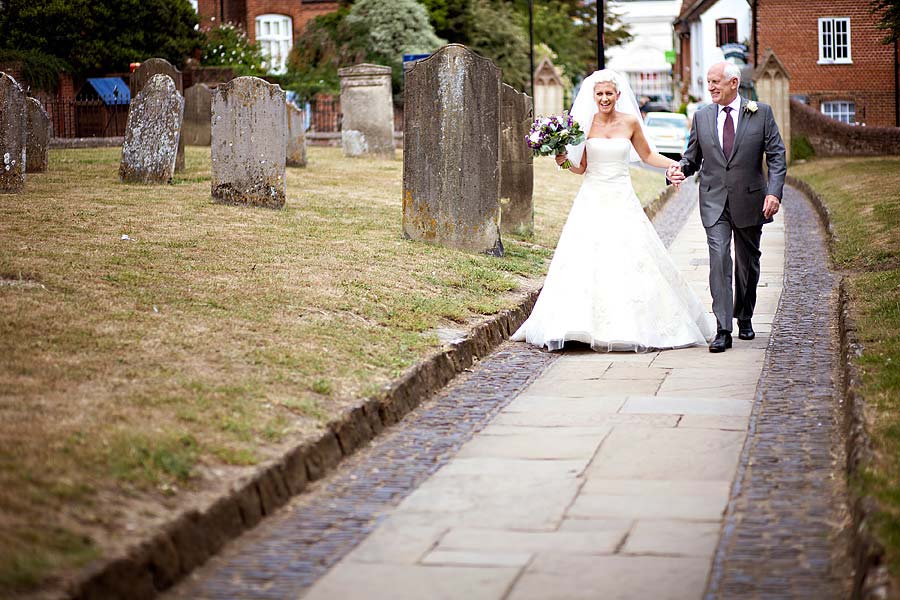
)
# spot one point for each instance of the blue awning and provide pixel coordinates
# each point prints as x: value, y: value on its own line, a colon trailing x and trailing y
x: 106, y: 87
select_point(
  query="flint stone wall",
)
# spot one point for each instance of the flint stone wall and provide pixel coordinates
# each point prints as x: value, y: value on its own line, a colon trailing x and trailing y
x: 197, y: 115
x: 40, y: 130
x: 295, y: 152
x: 367, y: 125
x: 249, y: 132
x: 451, y: 178
x: 143, y: 74
x: 152, y: 133
x: 13, y: 135
x: 516, y: 163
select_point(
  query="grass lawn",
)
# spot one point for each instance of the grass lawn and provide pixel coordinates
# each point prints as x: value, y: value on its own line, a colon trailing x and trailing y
x: 863, y: 195
x: 136, y: 371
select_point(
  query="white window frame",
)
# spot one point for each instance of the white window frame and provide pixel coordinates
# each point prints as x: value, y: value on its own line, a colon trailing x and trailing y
x: 275, y: 36
x: 839, y: 110
x: 829, y: 46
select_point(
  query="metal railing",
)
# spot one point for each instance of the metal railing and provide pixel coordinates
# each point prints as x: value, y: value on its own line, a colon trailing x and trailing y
x: 86, y: 117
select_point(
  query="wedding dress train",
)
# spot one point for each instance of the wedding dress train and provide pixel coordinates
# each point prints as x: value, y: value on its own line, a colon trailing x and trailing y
x: 611, y: 283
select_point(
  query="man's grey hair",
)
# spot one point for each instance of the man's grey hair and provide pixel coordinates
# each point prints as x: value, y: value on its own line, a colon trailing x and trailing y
x: 732, y: 71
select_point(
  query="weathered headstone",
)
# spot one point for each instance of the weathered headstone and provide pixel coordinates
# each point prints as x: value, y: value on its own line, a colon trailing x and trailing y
x: 197, y: 115
x: 516, y: 163
x: 451, y: 179
x: 367, y: 123
x: 40, y: 130
x: 152, y: 133
x: 143, y: 74
x: 295, y: 153
x: 13, y: 135
x: 249, y: 132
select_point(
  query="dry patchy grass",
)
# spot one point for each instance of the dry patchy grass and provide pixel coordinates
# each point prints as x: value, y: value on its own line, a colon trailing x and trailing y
x: 132, y: 369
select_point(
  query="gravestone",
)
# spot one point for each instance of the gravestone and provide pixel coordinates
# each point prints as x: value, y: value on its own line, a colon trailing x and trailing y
x: 451, y: 179
x: 516, y: 163
x: 249, y: 138
x: 152, y: 133
x: 367, y: 123
x: 40, y: 130
x: 143, y: 74
x: 295, y: 153
x: 13, y: 135
x: 197, y: 115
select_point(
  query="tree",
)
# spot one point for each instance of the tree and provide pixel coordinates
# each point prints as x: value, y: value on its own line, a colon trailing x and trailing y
x: 328, y: 43
x: 97, y: 36
x: 569, y: 28
x: 396, y: 27
x: 890, y: 18
x: 453, y: 20
x: 496, y: 34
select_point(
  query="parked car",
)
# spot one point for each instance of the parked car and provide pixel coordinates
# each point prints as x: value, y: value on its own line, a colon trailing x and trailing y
x: 668, y: 131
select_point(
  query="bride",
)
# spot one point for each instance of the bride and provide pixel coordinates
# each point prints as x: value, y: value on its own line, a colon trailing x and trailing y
x: 611, y: 283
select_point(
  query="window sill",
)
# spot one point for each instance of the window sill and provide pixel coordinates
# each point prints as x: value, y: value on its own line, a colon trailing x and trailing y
x: 834, y: 62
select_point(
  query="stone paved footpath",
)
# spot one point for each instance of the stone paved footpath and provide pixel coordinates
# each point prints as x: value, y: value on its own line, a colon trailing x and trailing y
x: 605, y: 476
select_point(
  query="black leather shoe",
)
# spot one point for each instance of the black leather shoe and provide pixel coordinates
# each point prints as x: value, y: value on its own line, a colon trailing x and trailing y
x: 721, y: 343
x: 745, y: 330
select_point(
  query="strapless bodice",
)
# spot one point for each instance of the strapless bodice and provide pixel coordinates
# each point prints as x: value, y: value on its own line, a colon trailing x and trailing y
x: 607, y: 159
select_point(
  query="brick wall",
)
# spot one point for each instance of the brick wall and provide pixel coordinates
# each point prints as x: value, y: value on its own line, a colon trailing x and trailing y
x: 244, y: 12
x: 833, y: 138
x: 790, y: 28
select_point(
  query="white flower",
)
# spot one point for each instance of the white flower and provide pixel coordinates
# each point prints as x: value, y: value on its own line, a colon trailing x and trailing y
x: 752, y: 106
x: 535, y: 137
x: 545, y: 121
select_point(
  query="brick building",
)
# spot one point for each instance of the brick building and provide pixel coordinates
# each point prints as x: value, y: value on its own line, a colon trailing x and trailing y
x: 273, y: 24
x: 833, y: 53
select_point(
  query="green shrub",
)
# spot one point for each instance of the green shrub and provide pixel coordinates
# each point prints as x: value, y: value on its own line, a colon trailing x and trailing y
x: 39, y: 70
x: 801, y: 149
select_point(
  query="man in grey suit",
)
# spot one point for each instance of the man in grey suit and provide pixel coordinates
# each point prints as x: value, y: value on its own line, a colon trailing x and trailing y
x: 727, y: 143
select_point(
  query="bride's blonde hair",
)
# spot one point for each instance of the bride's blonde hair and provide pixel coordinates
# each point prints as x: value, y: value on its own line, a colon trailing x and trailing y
x: 607, y: 76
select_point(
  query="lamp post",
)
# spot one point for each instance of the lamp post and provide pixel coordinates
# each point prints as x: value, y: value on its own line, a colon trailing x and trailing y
x: 531, y: 44
x: 601, y: 17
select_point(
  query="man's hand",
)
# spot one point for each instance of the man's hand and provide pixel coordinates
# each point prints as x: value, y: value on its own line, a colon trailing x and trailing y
x: 770, y: 206
x: 674, y: 174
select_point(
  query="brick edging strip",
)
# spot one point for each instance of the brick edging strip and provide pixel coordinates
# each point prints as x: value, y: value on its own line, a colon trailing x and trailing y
x: 871, y: 578
x: 190, y: 539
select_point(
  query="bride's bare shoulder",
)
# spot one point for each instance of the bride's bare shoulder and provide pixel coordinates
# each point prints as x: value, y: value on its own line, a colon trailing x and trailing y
x: 629, y: 119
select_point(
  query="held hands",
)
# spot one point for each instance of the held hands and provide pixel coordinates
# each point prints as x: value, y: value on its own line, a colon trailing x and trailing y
x: 674, y: 174
x: 770, y: 206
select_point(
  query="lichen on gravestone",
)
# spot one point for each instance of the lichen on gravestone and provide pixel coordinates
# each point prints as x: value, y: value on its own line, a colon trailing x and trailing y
x: 152, y: 133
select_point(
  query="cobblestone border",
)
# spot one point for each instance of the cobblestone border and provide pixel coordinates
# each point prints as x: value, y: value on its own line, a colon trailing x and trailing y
x: 871, y: 578
x: 193, y: 536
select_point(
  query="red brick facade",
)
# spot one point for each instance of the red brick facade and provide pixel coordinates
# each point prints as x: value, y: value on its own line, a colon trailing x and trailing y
x: 790, y: 28
x: 244, y: 12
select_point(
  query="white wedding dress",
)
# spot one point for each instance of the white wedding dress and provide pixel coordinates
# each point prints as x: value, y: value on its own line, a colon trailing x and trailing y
x: 611, y: 283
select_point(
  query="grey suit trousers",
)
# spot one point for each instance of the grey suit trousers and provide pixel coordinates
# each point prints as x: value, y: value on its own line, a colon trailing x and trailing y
x: 728, y: 305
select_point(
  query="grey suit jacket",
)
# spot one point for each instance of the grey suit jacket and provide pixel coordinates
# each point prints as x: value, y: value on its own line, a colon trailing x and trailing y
x: 740, y: 179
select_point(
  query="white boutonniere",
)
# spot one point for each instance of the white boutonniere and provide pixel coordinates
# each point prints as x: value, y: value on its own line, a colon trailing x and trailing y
x: 752, y: 106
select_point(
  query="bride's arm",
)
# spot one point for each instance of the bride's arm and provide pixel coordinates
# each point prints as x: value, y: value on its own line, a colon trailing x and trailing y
x: 640, y: 144
x: 561, y: 158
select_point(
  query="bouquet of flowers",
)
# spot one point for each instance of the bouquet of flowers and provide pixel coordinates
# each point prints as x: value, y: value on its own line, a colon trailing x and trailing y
x: 551, y: 135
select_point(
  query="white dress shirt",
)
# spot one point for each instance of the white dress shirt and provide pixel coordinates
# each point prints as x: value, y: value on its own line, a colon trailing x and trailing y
x: 720, y: 119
